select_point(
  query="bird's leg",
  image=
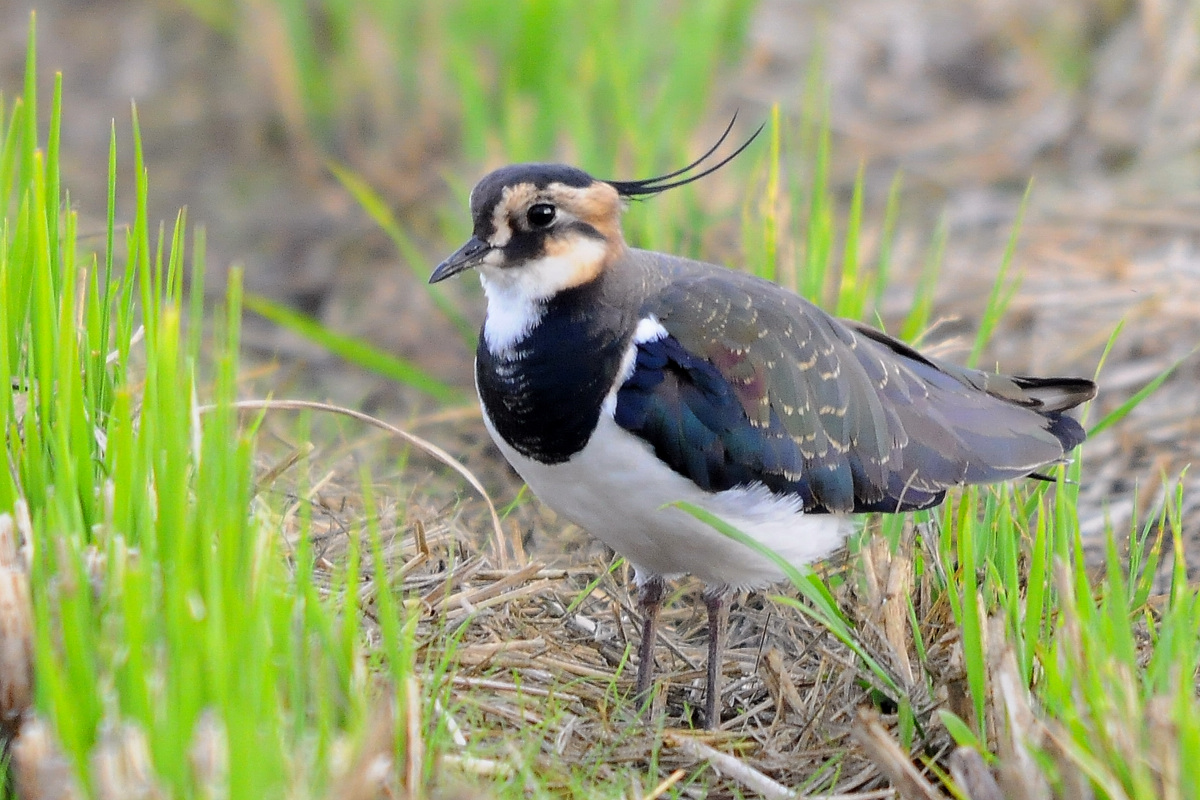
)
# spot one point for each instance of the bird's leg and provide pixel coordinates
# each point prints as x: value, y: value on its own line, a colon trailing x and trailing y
x: 650, y: 595
x: 717, y: 602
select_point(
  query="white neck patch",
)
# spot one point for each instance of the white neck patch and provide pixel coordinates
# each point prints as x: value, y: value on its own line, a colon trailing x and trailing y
x: 516, y: 296
x: 648, y: 329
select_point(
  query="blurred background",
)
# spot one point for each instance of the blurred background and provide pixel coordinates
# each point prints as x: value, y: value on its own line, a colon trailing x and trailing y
x: 248, y: 108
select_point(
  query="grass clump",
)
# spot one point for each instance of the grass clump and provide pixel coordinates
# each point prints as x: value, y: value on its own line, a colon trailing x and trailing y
x: 178, y: 648
x: 520, y: 79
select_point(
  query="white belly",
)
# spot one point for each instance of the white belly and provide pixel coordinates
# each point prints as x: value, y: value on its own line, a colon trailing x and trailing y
x: 616, y: 489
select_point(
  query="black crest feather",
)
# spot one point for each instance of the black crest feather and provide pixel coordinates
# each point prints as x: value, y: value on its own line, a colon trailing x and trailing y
x: 651, y: 186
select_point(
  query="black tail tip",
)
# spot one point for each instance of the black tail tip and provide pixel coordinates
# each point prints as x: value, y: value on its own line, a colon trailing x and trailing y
x: 1067, y: 430
x: 1057, y: 394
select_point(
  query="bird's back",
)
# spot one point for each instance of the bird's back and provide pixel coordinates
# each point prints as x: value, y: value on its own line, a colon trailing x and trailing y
x: 746, y: 382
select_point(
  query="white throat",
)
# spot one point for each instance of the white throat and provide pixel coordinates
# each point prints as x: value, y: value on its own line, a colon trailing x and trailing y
x: 516, y: 296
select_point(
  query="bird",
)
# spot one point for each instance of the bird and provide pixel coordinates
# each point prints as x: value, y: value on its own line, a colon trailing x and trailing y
x: 620, y: 382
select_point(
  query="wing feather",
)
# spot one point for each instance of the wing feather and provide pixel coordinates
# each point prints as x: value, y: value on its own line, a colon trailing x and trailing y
x: 753, y: 384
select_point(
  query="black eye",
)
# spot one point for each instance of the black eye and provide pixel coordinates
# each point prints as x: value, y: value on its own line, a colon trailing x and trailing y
x: 540, y: 215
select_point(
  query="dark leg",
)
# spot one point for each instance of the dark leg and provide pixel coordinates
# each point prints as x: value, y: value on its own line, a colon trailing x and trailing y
x: 718, y: 626
x: 650, y: 595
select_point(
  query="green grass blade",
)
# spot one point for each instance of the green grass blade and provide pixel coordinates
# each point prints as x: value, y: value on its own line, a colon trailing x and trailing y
x: 1121, y: 411
x: 823, y: 608
x: 378, y: 210
x: 355, y: 350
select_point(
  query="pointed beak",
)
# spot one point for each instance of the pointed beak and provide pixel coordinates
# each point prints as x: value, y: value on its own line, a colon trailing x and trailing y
x: 465, y: 257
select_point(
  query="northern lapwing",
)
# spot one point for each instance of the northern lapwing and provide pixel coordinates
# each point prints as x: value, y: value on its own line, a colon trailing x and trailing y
x: 619, y: 381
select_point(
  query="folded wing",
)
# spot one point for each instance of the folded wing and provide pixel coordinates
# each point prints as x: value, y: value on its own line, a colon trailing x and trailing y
x: 753, y: 384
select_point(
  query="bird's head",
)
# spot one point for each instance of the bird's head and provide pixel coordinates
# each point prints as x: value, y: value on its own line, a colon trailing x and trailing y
x: 545, y: 228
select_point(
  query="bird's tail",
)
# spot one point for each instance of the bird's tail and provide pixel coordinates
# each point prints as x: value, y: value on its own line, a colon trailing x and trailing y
x: 1054, y: 396
x: 1057, y: 394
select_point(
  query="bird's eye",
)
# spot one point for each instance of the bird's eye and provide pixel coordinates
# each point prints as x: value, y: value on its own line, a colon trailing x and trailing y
x: 540, y: 215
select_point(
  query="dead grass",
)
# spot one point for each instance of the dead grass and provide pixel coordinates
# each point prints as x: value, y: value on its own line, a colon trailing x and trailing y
x: 528, y: 664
